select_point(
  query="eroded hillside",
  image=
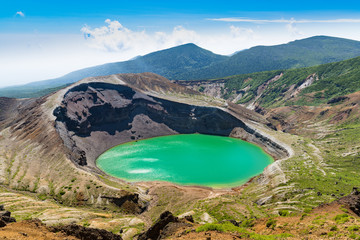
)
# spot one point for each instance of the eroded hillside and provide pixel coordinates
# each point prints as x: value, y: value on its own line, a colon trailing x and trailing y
x: 49, y: 146
x: 305, y: 86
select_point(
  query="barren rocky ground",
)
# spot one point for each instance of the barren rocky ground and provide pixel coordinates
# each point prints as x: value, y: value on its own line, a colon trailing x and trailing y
x: 44, y: 178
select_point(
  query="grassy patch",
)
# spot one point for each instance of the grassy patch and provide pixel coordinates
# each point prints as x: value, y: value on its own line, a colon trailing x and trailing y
x: 353, y: 228
x: 42, y: 197
x: 229, y: 227
x: 271, y: 223
x: 284, y: 213
x: 342, y: 218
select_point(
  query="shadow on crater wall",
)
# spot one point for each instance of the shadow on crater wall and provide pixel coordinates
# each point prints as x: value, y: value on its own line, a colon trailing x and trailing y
x: 94, y: 117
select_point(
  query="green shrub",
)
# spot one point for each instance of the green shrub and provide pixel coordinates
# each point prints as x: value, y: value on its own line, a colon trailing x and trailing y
x: 303, y: 216
x: 42, y: 197
x: 353, y: 228
x: 229, y: 227
x: 353, y: 236
x: 344, y: 210
x: 247, y: 223
x: 271, y: 223
x: 221, y: 227
x: 341, y: 218
x: 284, y: 213
x: 334, y: 228
x: 307, y: 210
x: 86, y: 223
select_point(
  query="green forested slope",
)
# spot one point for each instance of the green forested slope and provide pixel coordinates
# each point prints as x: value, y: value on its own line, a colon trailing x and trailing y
x: 301, y: 53
x: 334, y: 79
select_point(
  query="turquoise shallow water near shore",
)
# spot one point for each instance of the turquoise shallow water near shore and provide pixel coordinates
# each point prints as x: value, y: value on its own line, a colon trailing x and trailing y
x: 189, y: 159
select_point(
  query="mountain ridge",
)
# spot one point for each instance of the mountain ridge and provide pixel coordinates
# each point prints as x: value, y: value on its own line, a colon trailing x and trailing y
x: 191, y: 62
x: 296, y: 54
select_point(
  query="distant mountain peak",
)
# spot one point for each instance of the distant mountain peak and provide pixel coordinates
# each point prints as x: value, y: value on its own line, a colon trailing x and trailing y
x: 323, y: 37
x: 191, y: 62
x: 179, y: 48
x: 189, y: 45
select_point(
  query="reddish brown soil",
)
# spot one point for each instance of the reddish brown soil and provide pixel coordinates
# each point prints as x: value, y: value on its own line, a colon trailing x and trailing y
x: 31, y: 230
x: 296, y: 119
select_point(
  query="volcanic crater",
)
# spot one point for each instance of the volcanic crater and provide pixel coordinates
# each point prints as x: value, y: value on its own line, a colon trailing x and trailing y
x: 95, y: 116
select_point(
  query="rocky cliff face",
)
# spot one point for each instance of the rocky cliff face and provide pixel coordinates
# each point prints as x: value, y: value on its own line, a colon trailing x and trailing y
x: 94, y: 117
x: 211, y: 88
x: 252, y: 94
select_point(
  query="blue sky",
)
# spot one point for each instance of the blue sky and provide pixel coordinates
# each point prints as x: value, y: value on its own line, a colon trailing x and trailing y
x: 66, y: 8
x: 46, y: 39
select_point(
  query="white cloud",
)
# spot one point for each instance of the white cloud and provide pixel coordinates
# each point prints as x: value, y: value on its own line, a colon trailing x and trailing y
x: 115, y: 37
x: 20, y: 13
x: 179, y: 35
x: 292, y: 29
x: 291, y: 21
x: 241, y: 33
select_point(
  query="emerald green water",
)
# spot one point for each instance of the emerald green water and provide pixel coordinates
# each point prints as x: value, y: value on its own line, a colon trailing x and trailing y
x: 191, y: 159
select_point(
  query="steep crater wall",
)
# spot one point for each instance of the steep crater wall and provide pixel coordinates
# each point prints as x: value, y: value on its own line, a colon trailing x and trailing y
x: 94, y: 117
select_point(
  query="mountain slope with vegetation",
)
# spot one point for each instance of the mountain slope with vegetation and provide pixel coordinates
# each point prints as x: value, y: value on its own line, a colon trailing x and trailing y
x: 190, y: 62
x: 169, y: 63
x: 300, y: 53
x: 304, y: 86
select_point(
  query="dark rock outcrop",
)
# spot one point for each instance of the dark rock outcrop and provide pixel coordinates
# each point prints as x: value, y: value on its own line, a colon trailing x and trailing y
x: 84, y: 233
x: 7, y: 106
x: 2, y: 223
x: 154, y: 231
x: 352, y: 201
x: 166, y: 225
x: 5, y: 217
x: 189, y: 218
x: 337, y: 99
x: 129, y: 203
